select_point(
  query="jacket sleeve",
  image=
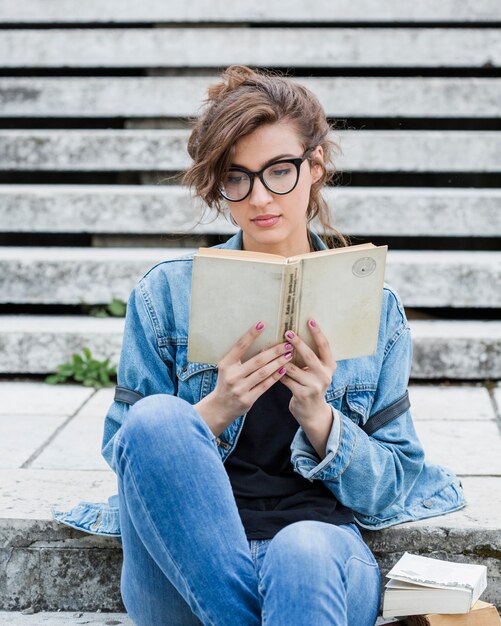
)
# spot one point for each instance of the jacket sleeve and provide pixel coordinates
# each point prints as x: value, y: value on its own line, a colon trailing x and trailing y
x: 370, y: 473
x: 144, y: 367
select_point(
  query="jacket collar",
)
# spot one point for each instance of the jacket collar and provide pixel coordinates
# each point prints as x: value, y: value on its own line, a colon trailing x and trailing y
x: 235, y: 242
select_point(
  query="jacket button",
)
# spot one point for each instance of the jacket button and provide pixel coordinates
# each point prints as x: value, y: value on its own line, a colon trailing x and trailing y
x: 428, y: 504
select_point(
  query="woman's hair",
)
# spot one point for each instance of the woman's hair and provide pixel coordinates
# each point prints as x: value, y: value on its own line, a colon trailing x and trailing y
x: 242, y: 101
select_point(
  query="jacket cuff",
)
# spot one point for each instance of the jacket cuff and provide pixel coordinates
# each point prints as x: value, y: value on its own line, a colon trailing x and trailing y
x: 339, y: 450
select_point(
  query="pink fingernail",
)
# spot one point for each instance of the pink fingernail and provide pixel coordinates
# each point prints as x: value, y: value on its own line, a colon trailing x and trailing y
x: 313, y: 323
x: 289, y: 334
x: 259, y: 325
x: 281, y: 370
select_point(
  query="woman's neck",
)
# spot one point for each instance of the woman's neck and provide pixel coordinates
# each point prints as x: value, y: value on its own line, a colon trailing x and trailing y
x: 284, y: 248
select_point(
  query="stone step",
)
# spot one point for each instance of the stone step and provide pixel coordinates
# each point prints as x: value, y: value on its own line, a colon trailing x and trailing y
x: 56, y: 618
x: 36, y: 344
x: 417, y: 151
x: 153, y: 209
x: 282, y: 11
x: 55, y: 567
x: 58, y: 275
x: 51, y: 566
x: 182, y: 47
x: 180, y: 96
x: 69, y: 618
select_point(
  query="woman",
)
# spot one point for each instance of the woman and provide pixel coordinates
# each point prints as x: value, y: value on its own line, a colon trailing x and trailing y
x: 266, y: 535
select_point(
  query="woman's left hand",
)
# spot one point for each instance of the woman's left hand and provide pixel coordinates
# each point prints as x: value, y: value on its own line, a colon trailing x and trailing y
x: 309, y: 384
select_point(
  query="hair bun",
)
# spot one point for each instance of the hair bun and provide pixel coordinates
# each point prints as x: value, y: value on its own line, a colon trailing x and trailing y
x: 232, y: 78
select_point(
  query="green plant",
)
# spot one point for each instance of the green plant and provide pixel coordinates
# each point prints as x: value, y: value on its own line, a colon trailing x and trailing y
x: 116, y: 308
x: 87, y: 370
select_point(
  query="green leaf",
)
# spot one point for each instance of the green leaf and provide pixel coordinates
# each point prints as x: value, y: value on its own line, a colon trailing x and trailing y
x: 52, y: 379
x: 77, y: 359
x: 105, y: 379
x: 66, y: 369
x: 117, y: 307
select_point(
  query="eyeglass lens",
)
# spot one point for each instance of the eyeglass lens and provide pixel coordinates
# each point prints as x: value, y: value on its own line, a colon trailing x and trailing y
x: 279, y: 178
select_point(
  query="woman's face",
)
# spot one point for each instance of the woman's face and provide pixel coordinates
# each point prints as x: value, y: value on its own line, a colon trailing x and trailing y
x: 288, y: 236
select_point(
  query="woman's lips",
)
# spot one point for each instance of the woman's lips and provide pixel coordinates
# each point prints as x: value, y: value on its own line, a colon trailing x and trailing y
x: 266, y: 222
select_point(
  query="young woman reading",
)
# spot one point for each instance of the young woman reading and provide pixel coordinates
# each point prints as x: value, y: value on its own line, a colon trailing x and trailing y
x: 241, y: 487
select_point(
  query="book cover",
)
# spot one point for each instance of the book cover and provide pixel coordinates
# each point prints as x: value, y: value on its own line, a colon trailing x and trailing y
x: 341, y: 288
x: 480, y: 614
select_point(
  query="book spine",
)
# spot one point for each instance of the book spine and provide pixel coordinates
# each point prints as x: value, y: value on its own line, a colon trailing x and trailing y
x: 290, y: 300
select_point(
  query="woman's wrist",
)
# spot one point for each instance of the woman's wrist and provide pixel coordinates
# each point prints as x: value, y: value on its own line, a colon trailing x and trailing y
x: 212, y: 414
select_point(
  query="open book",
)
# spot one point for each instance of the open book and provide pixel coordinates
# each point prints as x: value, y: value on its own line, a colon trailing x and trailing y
x: 341, y: 288
x: 420, y: 585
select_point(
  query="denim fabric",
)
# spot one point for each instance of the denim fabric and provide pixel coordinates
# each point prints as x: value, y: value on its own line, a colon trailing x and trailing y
x: 383, y: 477
x: 186, y: 558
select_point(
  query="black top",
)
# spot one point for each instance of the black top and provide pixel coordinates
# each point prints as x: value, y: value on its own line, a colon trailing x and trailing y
x: 268, y: 493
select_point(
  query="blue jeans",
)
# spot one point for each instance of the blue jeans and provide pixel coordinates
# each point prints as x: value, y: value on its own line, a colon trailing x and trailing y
x: 186, y: 558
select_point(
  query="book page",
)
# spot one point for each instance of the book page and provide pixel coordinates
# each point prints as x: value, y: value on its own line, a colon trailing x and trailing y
x: 430, y: 572
x: 226, y: 299
x: 344, y: 293
x: 393, y: 584
x: 245, y: 255
x: 329, y: 251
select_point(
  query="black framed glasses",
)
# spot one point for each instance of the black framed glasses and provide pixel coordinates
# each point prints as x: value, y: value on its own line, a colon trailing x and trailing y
x: 279, y: 177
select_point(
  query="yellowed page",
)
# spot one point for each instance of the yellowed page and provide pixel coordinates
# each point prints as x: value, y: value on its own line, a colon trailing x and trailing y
x: 245, y: 255
x: 330, y: 251
x: 344, y: 294
x: 226, y: 299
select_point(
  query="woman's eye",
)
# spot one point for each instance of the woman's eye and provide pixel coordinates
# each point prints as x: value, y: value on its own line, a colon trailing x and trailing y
x: 234, y: 179
x: 279, y: 172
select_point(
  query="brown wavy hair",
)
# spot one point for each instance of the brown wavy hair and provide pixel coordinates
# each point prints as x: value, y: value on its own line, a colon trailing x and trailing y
x: 243, y: 100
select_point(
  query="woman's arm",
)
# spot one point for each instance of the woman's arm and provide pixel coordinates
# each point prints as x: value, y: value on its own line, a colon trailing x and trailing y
x: 144, y: 368
x: 370, y: 473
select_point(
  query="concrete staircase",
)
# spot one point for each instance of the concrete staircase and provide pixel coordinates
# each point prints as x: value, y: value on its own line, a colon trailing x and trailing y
x: 94, y: 107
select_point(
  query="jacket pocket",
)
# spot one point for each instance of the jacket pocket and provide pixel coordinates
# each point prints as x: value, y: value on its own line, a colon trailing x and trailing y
x: 355, y: 401
x: 358, y: 402
x: 195, y: 380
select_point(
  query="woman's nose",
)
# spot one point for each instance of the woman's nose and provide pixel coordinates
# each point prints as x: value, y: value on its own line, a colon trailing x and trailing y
x: 260, y: 196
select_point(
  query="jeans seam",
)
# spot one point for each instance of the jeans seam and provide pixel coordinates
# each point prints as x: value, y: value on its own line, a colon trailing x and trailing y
x: 375, y: 567
x: 367, y: 550
x: 358, y: 558
x: 260, y: 589
x: 152, y: 525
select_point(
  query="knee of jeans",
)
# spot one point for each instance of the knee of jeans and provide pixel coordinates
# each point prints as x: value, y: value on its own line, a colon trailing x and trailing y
x: 305, y: 540
x: 158, y: 411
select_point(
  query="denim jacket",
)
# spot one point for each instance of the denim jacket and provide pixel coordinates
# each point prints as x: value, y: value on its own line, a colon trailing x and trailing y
x: 375, y: 464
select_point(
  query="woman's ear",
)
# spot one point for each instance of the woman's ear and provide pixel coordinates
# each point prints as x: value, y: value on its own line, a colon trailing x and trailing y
x: 317, y: 168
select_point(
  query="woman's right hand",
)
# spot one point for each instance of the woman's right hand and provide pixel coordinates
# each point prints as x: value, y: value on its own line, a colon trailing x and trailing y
x: 239, y: 384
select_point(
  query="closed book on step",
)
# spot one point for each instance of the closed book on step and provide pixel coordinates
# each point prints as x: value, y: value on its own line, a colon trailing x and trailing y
x: 420, y: 585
